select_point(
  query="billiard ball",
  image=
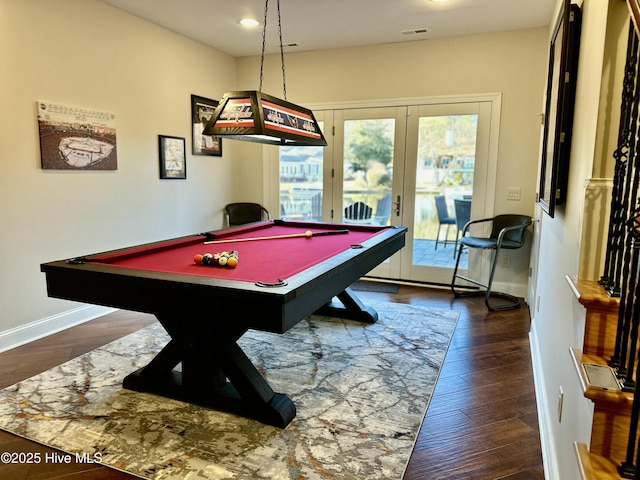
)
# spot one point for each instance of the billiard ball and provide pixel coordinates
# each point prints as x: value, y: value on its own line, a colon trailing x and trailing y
x: 197, y: 258
x: 206, y: 258
x: 232, y: 262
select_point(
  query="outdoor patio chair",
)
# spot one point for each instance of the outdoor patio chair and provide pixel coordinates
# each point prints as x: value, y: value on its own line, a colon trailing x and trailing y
x: 383, y: 210
x: 463, y: 216
x: 443, y: 219
x: 359, y: 212
x: 316, y: 208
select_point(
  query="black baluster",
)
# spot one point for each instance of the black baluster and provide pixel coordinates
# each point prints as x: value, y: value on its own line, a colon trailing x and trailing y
x: 629, y: 313
x: 627, y: 469
x: 627, y: 131
x: 621, y: 153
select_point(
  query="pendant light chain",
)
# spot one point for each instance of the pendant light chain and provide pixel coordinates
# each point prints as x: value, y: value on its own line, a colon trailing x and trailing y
x: 264, y: 37
x: 284, y: 80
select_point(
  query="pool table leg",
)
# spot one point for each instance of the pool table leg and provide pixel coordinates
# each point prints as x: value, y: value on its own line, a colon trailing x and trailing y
x: 352, y: 308
x: 203, y: 380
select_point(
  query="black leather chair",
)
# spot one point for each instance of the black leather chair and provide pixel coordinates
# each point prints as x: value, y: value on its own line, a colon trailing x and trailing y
x: 245, y: 212
x: 507, y: 232
x: 443, y: 219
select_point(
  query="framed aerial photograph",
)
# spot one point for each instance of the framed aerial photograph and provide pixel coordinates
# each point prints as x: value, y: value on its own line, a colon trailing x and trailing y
x: 173, y: 158
x: 558, y: 115
x: 76, y: 138
x: 201, y: 110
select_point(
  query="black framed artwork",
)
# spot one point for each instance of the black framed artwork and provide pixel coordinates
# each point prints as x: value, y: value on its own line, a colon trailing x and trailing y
x: 173, y: 158
x: 559, y: 107
x: 201, y: 110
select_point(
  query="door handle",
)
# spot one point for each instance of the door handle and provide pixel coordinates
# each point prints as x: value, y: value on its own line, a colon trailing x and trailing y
x: 397, y: 204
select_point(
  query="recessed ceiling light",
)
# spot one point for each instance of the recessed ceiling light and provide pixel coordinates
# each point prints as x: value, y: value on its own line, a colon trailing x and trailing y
x: 249, y: 22
x: 439, y: 1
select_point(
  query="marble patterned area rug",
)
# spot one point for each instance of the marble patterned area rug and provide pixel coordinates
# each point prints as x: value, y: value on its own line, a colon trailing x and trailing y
x: 361, y: 392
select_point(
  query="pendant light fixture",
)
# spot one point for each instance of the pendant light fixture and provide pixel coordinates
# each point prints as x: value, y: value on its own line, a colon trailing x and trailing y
x: 254, y: 116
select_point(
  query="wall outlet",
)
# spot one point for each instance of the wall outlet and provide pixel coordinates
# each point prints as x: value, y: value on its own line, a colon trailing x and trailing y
x: 513, y: 193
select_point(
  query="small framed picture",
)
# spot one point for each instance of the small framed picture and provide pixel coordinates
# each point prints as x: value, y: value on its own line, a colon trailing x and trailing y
x: 173, y: 158
x: 201, y: 111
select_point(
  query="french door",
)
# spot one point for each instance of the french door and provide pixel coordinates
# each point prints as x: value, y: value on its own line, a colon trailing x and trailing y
x: 367, y: 170
x: 450, y: 161
x: 386, y: 164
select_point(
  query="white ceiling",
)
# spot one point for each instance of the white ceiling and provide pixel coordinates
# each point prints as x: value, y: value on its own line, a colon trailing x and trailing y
x: 321, y: 24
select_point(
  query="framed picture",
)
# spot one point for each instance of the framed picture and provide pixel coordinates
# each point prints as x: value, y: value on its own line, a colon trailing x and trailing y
x: 76, y: 138
x: 201, y: 111
x: 558, y: 115
x: 173, y: 159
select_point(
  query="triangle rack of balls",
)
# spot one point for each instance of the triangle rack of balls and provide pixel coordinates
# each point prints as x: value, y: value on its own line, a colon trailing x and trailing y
x: 222, y: 259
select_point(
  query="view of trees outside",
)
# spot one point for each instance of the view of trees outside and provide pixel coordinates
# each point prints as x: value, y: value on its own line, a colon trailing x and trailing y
x: 446, y: 161
x: 445, y: 166
x: 368, y: 166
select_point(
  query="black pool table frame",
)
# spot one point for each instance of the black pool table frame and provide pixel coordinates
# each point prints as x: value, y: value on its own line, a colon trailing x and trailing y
x: 206, y: 316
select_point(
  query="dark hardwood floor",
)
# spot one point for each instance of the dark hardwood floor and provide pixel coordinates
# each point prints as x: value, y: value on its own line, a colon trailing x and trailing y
x: 481, y: 423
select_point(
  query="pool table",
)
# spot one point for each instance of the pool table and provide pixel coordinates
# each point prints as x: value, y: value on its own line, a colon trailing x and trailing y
x: 205, y: 309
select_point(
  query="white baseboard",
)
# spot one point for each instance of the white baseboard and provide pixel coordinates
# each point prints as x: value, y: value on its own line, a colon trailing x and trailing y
x: 547, y: 443
x: 41, y: 328
x: 515, y: 289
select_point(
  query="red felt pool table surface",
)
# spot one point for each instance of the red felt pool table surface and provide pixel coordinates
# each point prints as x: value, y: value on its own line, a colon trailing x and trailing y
x: 267, y: 261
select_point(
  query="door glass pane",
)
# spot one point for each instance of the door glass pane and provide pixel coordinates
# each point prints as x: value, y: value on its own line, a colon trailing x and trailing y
x: 301, y: 183
x: 444, y: 174
x: 368, y: 170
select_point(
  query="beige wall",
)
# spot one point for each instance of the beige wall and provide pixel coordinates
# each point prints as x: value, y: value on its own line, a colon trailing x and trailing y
x: 87, y: 54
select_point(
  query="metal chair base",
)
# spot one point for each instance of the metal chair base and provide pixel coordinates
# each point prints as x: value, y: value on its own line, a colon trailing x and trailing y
x: 514, y: 302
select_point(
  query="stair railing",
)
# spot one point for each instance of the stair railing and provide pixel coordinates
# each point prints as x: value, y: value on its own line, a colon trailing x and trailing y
x: 622, y: 266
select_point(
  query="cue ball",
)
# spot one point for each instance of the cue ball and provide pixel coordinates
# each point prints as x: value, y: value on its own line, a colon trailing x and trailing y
x: 308, y: 234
